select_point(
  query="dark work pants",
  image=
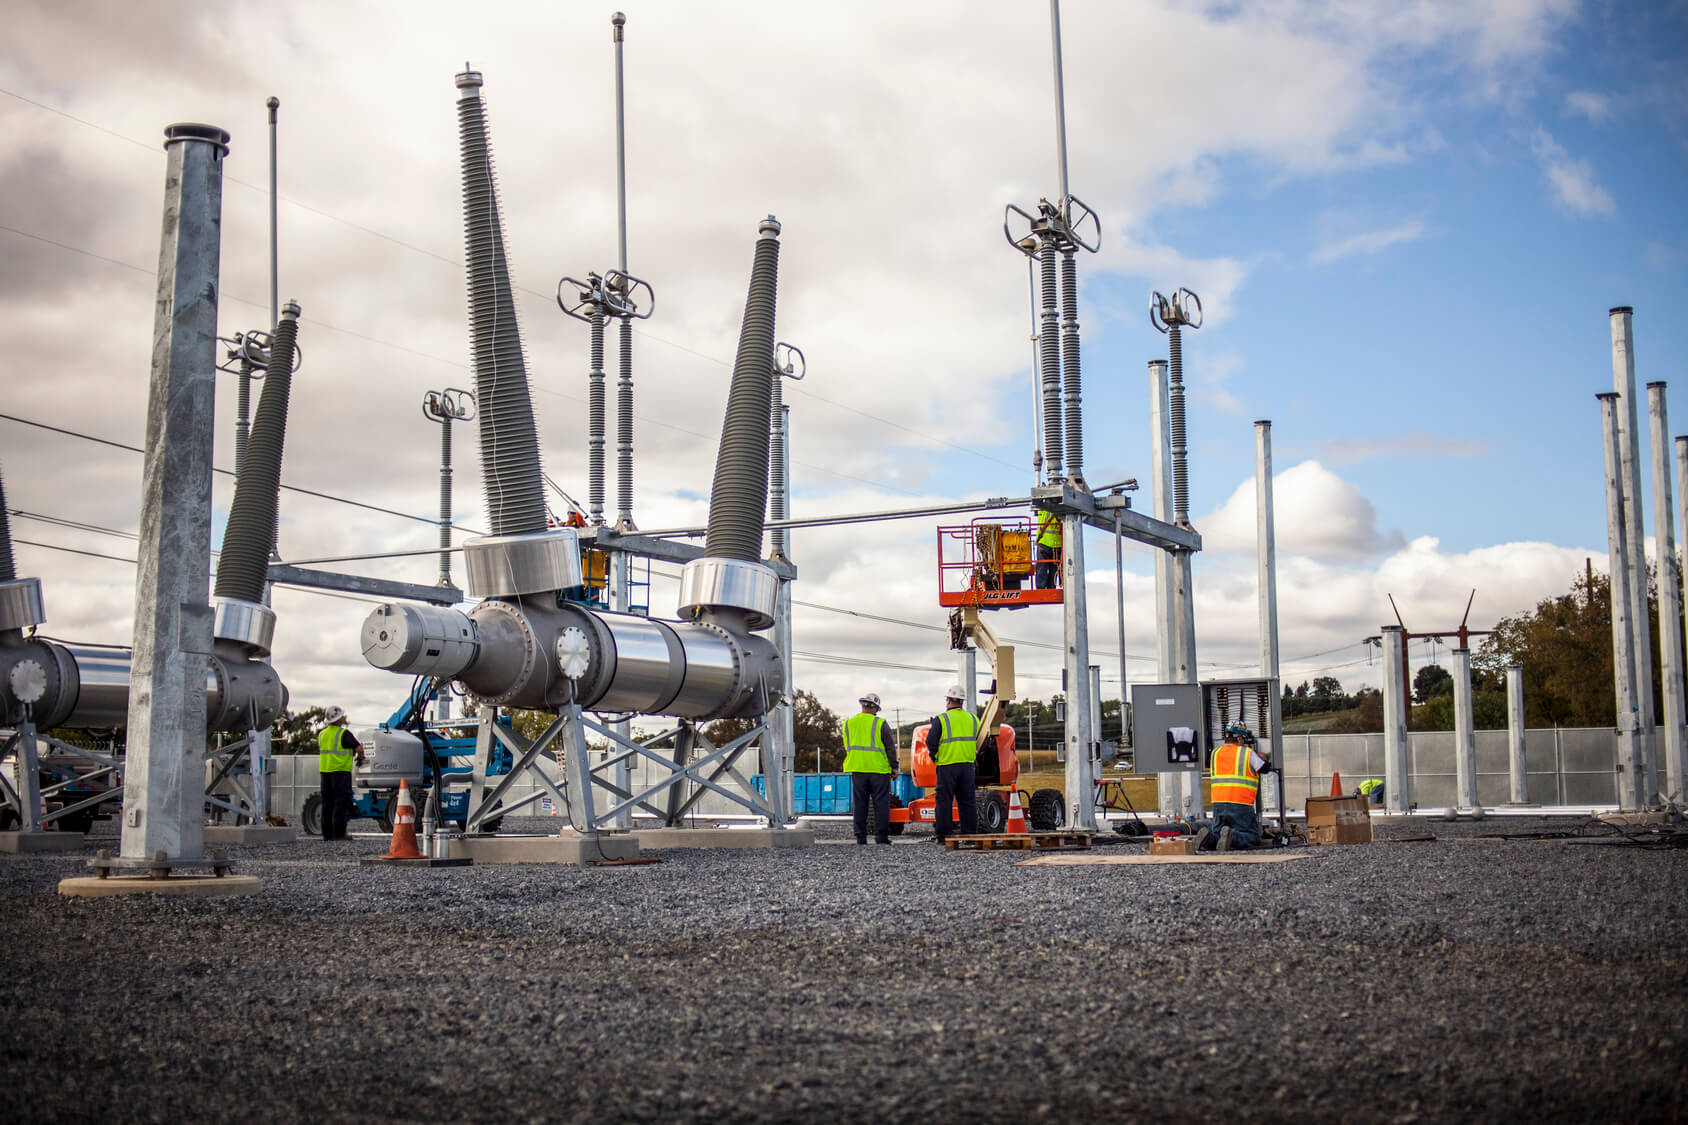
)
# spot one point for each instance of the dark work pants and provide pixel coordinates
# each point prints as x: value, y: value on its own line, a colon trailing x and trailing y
x: 1241, y: 820
x: 877, y: 788
x: 1049, y: 561
x: 336, y: 804
x: 956, y: 782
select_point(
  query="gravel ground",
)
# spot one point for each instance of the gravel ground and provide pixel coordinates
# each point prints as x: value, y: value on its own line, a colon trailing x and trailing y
x: 1462, y: 979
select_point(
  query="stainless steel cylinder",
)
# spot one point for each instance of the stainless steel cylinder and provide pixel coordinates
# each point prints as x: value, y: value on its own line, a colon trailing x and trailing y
x: 247, y: 624
x: 241, y: 693
x: 102, y: 687
x: 21, y: 605
x: 719, y: 583
x: 508, y: 566
x: 37, y: 676
x: 649, y: 664
x: 421, y: 640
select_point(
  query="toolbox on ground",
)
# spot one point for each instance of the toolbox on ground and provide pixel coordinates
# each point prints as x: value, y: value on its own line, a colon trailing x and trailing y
x: 1338, y: 820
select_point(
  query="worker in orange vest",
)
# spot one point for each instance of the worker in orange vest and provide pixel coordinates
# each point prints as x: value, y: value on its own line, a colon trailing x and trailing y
x: 1236, y: 785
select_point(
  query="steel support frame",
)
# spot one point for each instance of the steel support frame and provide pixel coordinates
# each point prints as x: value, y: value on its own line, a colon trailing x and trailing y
x: 1079, y: 737
x: 1397, y: 795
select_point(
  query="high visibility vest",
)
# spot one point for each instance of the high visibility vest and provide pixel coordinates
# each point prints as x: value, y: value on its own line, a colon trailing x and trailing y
x: 1368, y: 785
x: 1049, y: 530
x: 1234, y: 779
x: 331, y: 757
x: 864, y: 745
x: 959, y: 741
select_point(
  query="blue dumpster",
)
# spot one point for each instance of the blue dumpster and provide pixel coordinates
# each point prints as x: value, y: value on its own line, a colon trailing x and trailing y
x: 828, y: 794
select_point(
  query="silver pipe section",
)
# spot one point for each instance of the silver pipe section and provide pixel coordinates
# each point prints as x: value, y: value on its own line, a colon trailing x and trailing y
x: 1060, y: 101
x: 1517, y: 767
x: 1632, y: 773
x: 509, y: 439
x: 1641, y: 626
x: 1465, y: 738
x: 1670, y: 598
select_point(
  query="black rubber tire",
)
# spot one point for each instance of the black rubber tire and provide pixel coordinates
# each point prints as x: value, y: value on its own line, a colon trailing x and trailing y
x: 1048, y: 811
x: 388, y: 807
x: 9, y: 818
x: 310, y: 815
x: 993, y: 813
x: 897, y: 826
x: 77, y: 822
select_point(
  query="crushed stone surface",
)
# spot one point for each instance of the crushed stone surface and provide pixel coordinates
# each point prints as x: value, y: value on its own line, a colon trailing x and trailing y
x: 1458, y: 979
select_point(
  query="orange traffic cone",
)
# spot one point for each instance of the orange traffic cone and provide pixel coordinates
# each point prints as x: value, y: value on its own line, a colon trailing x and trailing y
x: 1335, y: 784
x: 404, y: 827
x: 1016, y: 816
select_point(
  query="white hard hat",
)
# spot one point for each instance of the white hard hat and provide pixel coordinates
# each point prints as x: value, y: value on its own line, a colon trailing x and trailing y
x: 335, y: 715
x: 955, y: 692
x: 871, y: 697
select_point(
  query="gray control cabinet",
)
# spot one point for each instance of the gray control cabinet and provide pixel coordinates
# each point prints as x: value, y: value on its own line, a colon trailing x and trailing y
x: 1167, y: 728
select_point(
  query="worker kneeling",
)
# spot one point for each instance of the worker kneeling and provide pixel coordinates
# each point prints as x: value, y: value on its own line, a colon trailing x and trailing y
x: 1236, y: 785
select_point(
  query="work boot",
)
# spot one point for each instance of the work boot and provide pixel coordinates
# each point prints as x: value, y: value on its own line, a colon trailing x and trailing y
x: 1202, y: 838
x: 1224, y: 839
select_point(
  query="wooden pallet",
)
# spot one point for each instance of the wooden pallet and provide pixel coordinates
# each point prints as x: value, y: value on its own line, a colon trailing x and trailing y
x: 1021, y: 841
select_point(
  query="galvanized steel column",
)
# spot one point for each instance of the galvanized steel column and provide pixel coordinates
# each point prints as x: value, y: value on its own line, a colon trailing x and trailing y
x: 1465, y: 738
x: 1635, y: 532
x: 1670, y: 599
x: 1676, y: 781
x: 1160, y: 446
x: 622, y: 771
x: 1631, y: 763
x: 778, y: 766
x: 1266, y: 544
x: 1080, y: 784
x: 164, y: 778
x: 1515, y: 736
x: 1397, y: 795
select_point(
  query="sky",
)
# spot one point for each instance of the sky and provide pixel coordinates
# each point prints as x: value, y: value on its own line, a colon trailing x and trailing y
x: 1406, y: 224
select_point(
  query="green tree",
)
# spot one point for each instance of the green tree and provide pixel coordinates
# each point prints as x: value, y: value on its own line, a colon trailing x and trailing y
x: 816, y: 732
x: 296, y: 731
x: 1365, y: 717
x: 1432, y: 680
x: 1564, y: 646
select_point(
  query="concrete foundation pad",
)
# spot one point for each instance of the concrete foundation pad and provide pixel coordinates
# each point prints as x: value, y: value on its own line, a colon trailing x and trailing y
x: 34, y: 843
x: 1108, y: 859
x: 182, y: 886
x: 581, y: 850
x: 425, y: 861
x: 249, y: 835
x: 658, y: 838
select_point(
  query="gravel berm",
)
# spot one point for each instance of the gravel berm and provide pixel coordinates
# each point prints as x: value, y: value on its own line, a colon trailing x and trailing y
x: 1460, y: 979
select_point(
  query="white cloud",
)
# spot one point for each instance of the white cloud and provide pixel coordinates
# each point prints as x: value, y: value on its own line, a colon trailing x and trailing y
x: 1576, y: 187
x: 1585, y: 103
x: 1317, y: 514
x: 1367, y: 242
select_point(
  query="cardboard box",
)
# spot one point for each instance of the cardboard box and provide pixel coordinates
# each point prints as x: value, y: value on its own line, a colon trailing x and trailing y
x: 1338, y: 820
x: 1175, y: 845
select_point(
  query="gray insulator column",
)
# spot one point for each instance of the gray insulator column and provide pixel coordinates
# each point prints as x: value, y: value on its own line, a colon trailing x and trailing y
x: 1072, y: 384
x: 250, y: 535
x: 776, y: 466
x: 445, y: 502
x: 1049, y: 360
x: 624, y: 430
x: 1175, y: 399
x: 509, y: 441
x: 595, y: 419
x: 8, y: 568
x: 739, y: 496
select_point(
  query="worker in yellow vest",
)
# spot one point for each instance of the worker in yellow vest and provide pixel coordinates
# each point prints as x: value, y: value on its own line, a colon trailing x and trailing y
x: 1048, y: 549
x: 953, y: 739
x: 870, y: 758
x: 337, y: 751
x: 1236, y: 785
